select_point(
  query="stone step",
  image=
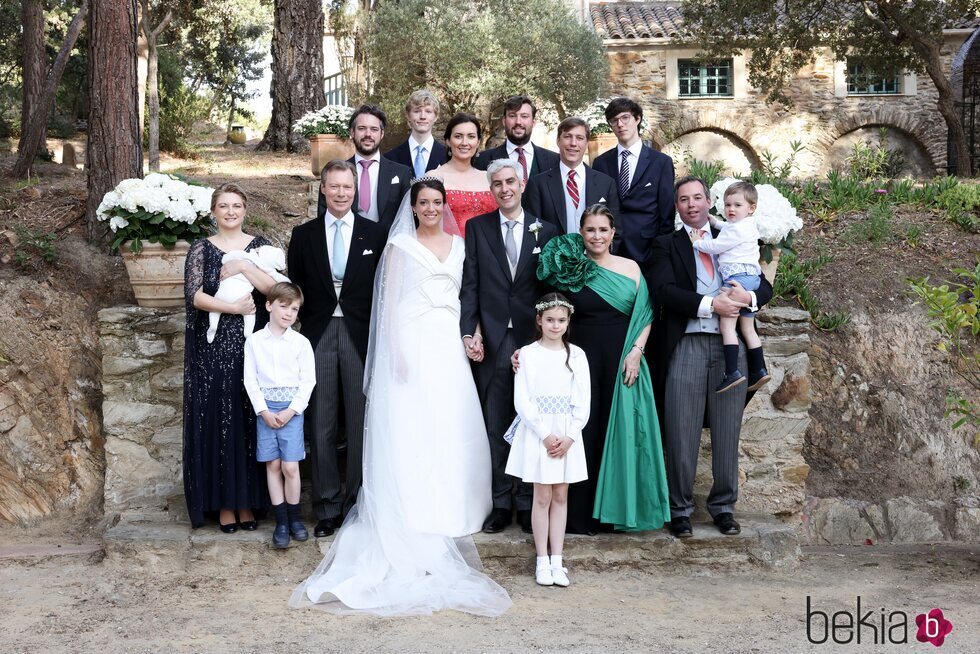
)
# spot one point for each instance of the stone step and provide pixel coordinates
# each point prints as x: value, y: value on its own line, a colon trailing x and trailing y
x: 763, y: 542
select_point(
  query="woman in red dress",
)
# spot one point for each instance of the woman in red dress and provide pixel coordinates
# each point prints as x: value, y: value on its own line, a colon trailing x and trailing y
x: 467, y: 189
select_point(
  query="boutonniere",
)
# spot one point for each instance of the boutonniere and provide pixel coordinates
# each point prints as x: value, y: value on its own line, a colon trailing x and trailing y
x: 534, y: 228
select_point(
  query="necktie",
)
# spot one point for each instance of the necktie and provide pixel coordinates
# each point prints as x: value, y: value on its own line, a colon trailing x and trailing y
x: 521, y: 159
x: 364, y: 186
x: 572, y: 187
x: 709, y: 265
x: 419, y: 161
x: 510, y: 245
x: 624, y: 174
x: 338, y: 258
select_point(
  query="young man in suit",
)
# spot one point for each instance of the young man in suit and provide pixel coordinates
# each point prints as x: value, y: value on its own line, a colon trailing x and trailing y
x: 644, y: 183
x: 421, y: 152
x: 561, y: 194
x: 333, y: 259
x: 381, y: 183
x: 519, y: 117
x: 691, y: 362
x: 497, y: 297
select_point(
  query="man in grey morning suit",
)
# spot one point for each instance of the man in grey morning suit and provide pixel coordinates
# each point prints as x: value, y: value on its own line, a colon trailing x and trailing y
x: 691, y: 362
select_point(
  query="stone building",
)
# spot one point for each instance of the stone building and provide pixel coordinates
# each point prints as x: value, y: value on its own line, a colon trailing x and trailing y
x: 709, y: 109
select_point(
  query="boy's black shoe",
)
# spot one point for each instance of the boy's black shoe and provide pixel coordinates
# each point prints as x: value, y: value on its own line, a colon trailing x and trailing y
x: 280, y: 537
x: 758, y: 379
x: 731, y: 380
x: 298, y: 530
x: 680, y: 527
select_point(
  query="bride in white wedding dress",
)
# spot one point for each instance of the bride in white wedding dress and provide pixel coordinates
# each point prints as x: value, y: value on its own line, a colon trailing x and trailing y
x: 404, y: 548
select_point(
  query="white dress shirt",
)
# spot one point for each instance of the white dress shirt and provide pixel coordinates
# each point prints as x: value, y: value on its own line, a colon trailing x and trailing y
x: 528, y: 154
x: 634, y: 159
x: 704, y: 309
x: 737, y: 247
x: 346, y: 231
x: 573, y: 215
x: 279, y: 362
x: 372, y: 213
x: 413, y: 147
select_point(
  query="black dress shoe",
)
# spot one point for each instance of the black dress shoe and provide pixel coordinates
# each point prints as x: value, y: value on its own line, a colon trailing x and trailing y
x: 758, y: 379
x: 324, y: 527
x: 730, y: 380
x: 249, y: 525
x: 524, y: 518
x: 229, y: 528
x: 681, y: 527
x: 726, y: 524
x: 497, y: 521
x: 280, y: 537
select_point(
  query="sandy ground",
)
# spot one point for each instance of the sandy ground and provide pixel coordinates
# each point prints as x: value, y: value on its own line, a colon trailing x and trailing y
x: 81, y: 603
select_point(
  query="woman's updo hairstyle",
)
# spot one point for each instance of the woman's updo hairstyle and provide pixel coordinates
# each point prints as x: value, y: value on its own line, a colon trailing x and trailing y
x: 598, y: 210
x: 426, y: 182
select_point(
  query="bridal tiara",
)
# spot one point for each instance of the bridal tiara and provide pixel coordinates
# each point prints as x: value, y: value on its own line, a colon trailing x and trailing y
x: 426, y: 178
x: 544, y: 306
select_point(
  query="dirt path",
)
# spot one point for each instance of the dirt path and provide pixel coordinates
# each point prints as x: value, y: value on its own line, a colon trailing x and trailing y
x: 78, y: 604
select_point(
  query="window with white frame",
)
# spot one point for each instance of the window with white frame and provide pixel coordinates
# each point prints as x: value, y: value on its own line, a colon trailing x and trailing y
x: 704, y: 79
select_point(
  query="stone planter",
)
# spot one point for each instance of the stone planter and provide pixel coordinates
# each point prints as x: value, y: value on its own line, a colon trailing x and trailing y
x: 599, y: 143
x: 326, y: 147
x: 769, y: 269
x: 157, y: 274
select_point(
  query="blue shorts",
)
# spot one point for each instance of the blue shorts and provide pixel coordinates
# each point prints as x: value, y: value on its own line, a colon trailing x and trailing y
x: 749, y: 283
x: 285, y: 443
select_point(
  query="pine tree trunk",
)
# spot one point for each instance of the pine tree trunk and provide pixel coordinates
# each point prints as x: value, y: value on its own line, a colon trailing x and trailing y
x: 142, y: 64
x: 297, y: 71
x: 35, y: 63
x: 32, y: 132
x: 115, y: 151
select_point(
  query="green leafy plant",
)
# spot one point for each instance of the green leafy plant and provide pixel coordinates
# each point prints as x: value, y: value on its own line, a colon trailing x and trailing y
x: 33, y: 246
x: 877, y: 227
x: 912, y: 235
x: 870, y: 161
x: 709, y: 171
x: 792, y: 283
x: 954, y: 312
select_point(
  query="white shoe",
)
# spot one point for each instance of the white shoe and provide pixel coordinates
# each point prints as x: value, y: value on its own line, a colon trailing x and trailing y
x: 559, y: 576
x: 544, y: 578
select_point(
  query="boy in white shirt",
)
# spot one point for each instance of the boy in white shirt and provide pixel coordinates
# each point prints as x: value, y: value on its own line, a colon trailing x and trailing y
x: 737, y: 247
x: 279, y: 378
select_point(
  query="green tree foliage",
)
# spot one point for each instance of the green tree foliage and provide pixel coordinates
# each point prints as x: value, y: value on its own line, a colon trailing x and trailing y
x: 10, y: 81
x: 889, y: 36
x: 475, y: 54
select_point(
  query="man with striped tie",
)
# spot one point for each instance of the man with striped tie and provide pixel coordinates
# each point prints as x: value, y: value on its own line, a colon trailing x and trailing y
x: 561, y: 194
x: 645, y: 184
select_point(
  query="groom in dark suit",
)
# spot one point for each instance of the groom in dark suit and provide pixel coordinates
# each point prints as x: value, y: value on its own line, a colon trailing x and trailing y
x: 333, y: 259
x: 499, y: 289
x: 691, y: 362
x: 381, y: 183
x: 560, y: 195
x: 519, y: 117
x: 644, y: 184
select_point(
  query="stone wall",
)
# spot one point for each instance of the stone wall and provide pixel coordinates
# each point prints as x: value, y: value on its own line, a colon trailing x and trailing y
x: 821, y: 112
x: 142, y: 385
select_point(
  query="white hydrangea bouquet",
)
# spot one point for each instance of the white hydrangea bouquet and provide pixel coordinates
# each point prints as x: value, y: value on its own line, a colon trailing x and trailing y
x: 157, y: 209
x: 331, y: 119
x: 776, y: 218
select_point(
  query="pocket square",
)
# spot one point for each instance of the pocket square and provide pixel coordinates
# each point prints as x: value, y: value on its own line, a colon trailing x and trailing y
x: 536, y: 250
x: 394, y: 180
x: 367, y: 252
x: 648, y: 184
x: 601, y: 200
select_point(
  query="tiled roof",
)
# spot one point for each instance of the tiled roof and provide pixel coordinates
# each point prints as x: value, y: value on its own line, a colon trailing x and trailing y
x: 659, y: 20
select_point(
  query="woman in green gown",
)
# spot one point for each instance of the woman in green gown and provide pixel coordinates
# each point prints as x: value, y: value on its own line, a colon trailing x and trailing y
x: 627, y: 485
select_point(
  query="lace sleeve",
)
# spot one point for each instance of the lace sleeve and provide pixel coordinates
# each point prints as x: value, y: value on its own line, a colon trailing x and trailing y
x: 193, y: 277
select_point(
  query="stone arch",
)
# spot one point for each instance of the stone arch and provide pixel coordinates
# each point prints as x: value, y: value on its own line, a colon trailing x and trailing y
x: 728, y: 133
x: 920, y: 132
x: 709, y: 144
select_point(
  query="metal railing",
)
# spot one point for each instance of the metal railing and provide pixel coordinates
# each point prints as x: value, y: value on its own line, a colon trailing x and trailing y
x: 333, y: 88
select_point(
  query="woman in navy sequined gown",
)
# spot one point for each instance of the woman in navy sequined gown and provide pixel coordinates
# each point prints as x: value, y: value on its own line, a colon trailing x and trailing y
x: 221, y: 474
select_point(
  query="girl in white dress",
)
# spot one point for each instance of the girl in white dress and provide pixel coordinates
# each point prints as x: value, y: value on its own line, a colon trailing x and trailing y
x: 552, y: 395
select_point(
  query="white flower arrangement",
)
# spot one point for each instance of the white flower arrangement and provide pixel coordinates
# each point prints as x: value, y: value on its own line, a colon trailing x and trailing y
x: 775, y: 217
x: 158, y: 209
x: 331, y: 119
x: 534, y: 228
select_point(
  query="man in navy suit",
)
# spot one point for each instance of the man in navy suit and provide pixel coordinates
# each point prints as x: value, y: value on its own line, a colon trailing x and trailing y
x: 381, y: 183
x: 519, y: 117
x: 644, y: 184
x: 421, y: 152
x: 561, y: 194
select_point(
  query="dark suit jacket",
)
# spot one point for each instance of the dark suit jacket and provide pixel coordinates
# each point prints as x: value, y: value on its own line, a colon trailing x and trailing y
x: 389, y: 195
x: 403, y: 155
x: 545, y: 195
x: 673, y: 284
x: 489, y: 297
x: 647, y: 209
x: 543, y: 161
x: 309, y: 266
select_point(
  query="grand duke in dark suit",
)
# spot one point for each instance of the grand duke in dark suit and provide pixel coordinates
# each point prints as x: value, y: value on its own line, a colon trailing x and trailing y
x: 498, y: 292
x: 333, y: 259
x: 690, y: 363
